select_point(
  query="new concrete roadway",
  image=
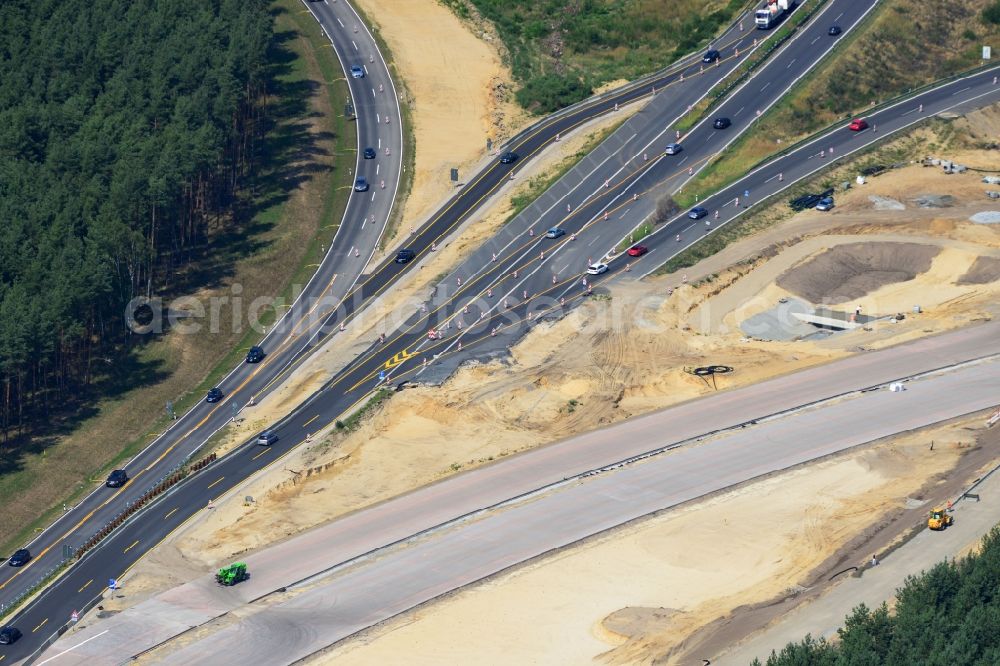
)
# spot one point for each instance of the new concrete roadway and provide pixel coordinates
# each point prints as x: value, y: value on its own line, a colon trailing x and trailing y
x: 338, y: 289
x: 402, y: 356
x: 411, y: 549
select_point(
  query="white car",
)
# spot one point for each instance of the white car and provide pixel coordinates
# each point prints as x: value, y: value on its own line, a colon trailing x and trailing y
x: 597, y: 269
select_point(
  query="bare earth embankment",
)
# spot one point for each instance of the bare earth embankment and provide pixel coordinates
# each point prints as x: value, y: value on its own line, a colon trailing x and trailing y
x: 641, y: 591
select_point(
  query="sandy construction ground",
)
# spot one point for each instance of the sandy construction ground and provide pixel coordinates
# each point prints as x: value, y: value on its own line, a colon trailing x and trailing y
x: 456, y: 88
x: 618, y: 355
x: 636, y: 593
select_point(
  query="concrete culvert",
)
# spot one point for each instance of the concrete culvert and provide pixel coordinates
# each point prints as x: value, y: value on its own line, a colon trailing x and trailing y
x: 850, y: 271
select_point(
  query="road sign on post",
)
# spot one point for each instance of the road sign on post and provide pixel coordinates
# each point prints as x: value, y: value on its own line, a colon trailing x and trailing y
x: 74, y: 616
x: 454, y: 175
x: 987, y: 52
x: 349, y: 110
x: 112, y: 584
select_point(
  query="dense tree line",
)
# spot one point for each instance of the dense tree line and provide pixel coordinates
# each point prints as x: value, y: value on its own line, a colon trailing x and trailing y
x: 946, y: 616
x: 561, y: 49
x: 127, y: 131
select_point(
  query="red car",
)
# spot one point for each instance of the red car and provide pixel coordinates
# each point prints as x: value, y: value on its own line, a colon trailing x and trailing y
x: 858, y: 124
x: 637, y: 250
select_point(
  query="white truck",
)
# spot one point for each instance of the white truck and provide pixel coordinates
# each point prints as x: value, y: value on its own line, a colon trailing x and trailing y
x: 771, y: 12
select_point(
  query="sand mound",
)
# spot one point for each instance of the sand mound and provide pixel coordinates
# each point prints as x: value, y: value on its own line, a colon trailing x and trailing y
x: 847, y: 272
x: 983, y: 271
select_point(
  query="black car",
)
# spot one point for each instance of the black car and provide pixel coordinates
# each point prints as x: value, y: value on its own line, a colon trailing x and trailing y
x: 834, y: 30
x: 721, y: 123
x: 20, y: 558
x: 711, y: 56
x: 117, y: 479
x: 9, y: 634
x: 808, y: 200
x: 214, y: 395
x: 508, y: 158
x: 697, y: 213
x: 369, y: 153
x: 805, y: 201
x: 255, y: 355
x: 405, y: 256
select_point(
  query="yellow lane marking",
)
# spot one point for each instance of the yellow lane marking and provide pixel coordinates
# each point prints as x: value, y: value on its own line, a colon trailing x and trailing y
x: 217, y: 481
x: 41, y: 624
x: 134, y: 544
x: 397, y: 359
x: 358, y: 287
x: 266, y: 449
x: 85, y: 585
x: 172, y: 512
x: 310, y: 421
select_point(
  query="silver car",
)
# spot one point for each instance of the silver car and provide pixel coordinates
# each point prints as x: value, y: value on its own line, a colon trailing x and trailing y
x: 673, y: 148
x: 267, y: 438
x: 826, y: 203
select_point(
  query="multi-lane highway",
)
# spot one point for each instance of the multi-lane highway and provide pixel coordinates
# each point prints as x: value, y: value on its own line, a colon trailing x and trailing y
x: 338, y: 289
x: 500, y: 295
x: 440, y: 538
x: 359, y: 232
x: 335, y: 291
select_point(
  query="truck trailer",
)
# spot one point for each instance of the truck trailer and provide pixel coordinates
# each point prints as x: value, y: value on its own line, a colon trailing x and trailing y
x: 771, y: 13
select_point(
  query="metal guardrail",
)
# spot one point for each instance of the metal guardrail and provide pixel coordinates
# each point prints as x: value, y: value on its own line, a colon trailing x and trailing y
x: 872, y: 109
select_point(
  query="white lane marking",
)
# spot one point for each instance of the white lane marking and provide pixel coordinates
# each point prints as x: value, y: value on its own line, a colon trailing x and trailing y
x: 376, y: 169
x: 962, y: 90
x: 826, y: 137
x: 739, y: 110
x: 67, y: 651
x: 366, y: 70
x: 765, y: 86
x: 340, y: 22
x: 380, y: 142
x: 373, y: 196
x: 771, y: 178
x: 791, y: 63
x: 838, y: 17
x: 354, y: 45
x: 814, y: 41
x: 373, y: 92
x: 682, y: 161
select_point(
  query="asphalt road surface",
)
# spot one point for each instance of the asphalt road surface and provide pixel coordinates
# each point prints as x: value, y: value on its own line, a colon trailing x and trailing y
x: 399, y: 357
x: 360, y: 230
x: 706, y: 445
x: 338, y: 290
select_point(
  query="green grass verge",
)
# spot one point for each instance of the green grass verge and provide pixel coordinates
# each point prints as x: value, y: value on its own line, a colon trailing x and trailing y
x: 893, y: 150
x: 538, y: 185
x: 352, y: 422
x: 334, y: 202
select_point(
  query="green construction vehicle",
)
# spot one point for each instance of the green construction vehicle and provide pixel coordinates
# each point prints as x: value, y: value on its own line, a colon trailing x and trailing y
x: 234, y: 573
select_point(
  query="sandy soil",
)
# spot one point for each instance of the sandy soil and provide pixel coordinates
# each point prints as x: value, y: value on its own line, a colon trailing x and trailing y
x: 614, y: 357
x: 457, y: 90
x: 639, y: 591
